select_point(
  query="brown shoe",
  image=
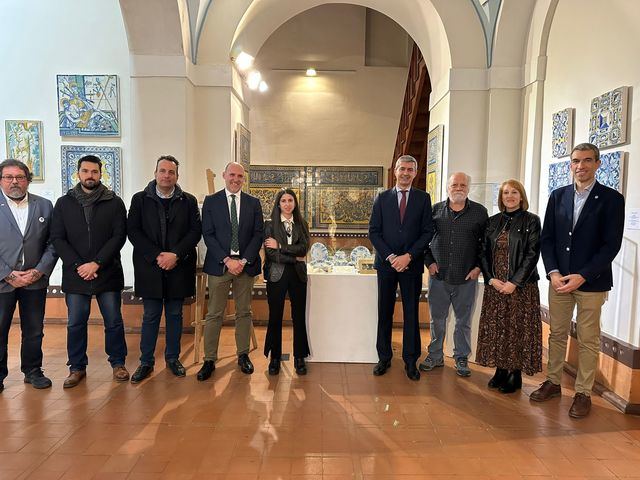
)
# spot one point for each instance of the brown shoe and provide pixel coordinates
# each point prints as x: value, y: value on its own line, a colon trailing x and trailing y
x: 581, y: 406
x: 74, y: 378
x: 120, y: 374
x: 547, y: 390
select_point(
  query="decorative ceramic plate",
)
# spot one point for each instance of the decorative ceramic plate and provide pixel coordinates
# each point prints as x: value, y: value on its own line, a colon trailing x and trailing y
x: 359, y: 252
x: 319, y: 253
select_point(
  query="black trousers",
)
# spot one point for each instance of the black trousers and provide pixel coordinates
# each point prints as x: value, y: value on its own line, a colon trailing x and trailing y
x: 31, y: 306
x: 410, y: 288
x: 276, y: 293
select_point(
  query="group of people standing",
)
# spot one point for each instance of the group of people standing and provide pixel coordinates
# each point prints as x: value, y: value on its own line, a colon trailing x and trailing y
x: 456, y: 240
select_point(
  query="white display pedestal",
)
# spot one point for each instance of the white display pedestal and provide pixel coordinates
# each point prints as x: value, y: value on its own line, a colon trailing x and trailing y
x: 342, y: 317
x: 475, y: 322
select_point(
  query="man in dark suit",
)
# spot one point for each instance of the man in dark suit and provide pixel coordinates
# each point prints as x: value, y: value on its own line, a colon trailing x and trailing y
x: 581, y: 236
x: 400, y: 229
x: 232, y: 228
x: 27, y: 259
x: 164, y: 228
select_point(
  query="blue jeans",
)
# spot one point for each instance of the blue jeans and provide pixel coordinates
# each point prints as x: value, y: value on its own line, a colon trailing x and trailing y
x: 31, y: 305
x: 151, y: 324
x: 442, y: 296
x: 78, y: 307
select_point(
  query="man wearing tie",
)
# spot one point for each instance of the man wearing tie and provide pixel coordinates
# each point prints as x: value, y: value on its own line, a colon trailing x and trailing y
x: 400, y: 228
x: 27, y: 259
x: 232, y: 228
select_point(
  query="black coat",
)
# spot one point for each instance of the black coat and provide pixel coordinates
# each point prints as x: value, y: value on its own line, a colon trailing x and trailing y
x: 101, y: 241
x: 152, y: 230
x: 277, y: 258
x: 524, y: 247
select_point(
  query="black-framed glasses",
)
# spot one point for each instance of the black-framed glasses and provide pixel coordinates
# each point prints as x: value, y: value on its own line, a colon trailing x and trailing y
x: 11, y: 178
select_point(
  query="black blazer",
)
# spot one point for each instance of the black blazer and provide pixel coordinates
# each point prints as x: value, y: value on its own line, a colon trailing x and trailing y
x: 412, y: 236
x: 524, y: 247
x: 216, y: 231
x: 590, y: 247
x: 153, y: 230
x: 277, y: 258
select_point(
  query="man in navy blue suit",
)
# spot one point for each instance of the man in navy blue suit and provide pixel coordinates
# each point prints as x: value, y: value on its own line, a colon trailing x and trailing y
x: 400, y: 228
x: 232, y: 228
x: 581, y: 236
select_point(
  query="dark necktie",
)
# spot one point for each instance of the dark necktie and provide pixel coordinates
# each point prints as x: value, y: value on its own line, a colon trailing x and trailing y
x: 403, y: 205
x: 235, y: 243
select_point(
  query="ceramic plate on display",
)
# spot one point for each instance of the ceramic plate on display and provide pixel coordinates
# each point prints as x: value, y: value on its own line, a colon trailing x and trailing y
x: 319, y: 253
x: 359, y: 252
x: 340, y: 258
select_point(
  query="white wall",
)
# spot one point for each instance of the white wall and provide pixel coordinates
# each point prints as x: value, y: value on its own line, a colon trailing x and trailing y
x: 41, y: 39
x: 584, y: 62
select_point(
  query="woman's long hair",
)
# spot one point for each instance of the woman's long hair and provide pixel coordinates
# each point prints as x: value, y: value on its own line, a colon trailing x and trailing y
x: 297, y: 216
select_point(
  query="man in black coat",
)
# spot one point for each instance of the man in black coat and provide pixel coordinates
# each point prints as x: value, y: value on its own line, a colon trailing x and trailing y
x: 164, y: 227
x: 400, y: 228
x: 88, y: 230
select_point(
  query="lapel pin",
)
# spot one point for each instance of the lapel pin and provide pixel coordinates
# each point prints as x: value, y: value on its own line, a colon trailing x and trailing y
x: 596, y: 197
x: 41, y: 219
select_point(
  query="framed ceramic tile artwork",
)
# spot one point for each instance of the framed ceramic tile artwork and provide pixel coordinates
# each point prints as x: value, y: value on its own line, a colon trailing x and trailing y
x: 562, y: 135
x: 88, y: 105
x: 608, y: 121
x: 24, y: 143
x: 111, y: 165
x: 435, y: 140
x: 611, y: 170
x: 559, y: 175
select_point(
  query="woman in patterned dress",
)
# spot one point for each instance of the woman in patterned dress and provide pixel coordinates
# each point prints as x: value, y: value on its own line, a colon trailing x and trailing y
x: 510, y: 333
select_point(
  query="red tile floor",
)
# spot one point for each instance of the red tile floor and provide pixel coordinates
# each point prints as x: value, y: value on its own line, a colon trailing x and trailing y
x: 338, y: 422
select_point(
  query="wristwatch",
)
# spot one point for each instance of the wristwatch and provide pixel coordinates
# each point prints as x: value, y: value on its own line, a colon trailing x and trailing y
x: 243, y: 261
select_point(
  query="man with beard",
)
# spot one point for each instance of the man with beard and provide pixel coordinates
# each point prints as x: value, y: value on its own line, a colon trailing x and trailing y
x: 88, y: 230
x: 453, y: 260
x: 164, y: 228
x: 27, y: 259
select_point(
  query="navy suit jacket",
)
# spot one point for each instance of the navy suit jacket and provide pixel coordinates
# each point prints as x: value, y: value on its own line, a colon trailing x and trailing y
x: 411, y: 236
x: 216, y: 232
x: 590, y: 247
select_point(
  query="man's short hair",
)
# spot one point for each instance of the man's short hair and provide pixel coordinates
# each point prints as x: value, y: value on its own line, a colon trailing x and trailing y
x: 168, y: 158
x: 226, y: 167
x: 585, y: 147
x: 468, y: 178
x: 90, y: 159
x: 11, y: 162
x: 407, y: 159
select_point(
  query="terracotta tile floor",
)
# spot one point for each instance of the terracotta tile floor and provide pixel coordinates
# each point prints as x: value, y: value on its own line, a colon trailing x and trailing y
x: 338, y: 422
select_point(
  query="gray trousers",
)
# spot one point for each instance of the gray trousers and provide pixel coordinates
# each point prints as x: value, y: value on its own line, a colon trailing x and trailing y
x: 443, y: 295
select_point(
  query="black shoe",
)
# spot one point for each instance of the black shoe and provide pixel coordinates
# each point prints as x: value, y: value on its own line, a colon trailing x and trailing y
x: 498, y: 378
x: 274, y: 366
x: 412, y: 372
x: 245, y: 364
x: 176, y: 368
x: 301, y: 367
x: 142, y: 372
x: 512, y: 383
x: 37, y: 379
x: 381, y: 367
x: 207, y: 369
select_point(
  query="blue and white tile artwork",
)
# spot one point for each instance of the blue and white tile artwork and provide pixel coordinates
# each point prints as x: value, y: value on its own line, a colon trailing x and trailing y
x: 611, y: 170
x: 111, y: 165
x: 608, y: 122
x: 559, y: 175
x: 562, y: 137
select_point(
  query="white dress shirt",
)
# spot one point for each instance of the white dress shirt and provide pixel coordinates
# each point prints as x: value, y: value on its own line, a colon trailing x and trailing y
x: 20, y: 211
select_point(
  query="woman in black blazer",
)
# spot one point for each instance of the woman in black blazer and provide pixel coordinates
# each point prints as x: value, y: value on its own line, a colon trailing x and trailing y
x: 510, y: 332
x: 285, y: 270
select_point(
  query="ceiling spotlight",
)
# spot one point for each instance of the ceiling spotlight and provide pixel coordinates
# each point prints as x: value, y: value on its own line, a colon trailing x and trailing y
x: 253, y: 80
x: 244, y: 61
x: 311, y: 72
x: 263, y: 87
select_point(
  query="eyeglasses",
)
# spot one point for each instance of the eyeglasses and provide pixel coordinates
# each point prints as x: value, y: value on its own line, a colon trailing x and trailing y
x: 11, y: 178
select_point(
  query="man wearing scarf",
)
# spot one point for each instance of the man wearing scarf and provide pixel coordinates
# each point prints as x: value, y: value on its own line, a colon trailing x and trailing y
x: 88, y: 230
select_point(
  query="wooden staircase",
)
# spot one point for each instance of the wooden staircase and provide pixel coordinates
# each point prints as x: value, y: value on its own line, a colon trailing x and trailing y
x: 414, y: 120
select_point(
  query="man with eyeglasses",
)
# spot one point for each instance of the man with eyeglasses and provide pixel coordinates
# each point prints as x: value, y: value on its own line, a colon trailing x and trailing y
x: 88, y: 230
x: 27, y: 259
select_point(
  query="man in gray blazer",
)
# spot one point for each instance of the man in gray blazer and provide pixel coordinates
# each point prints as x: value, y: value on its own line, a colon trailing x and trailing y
x: 27, y: 259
